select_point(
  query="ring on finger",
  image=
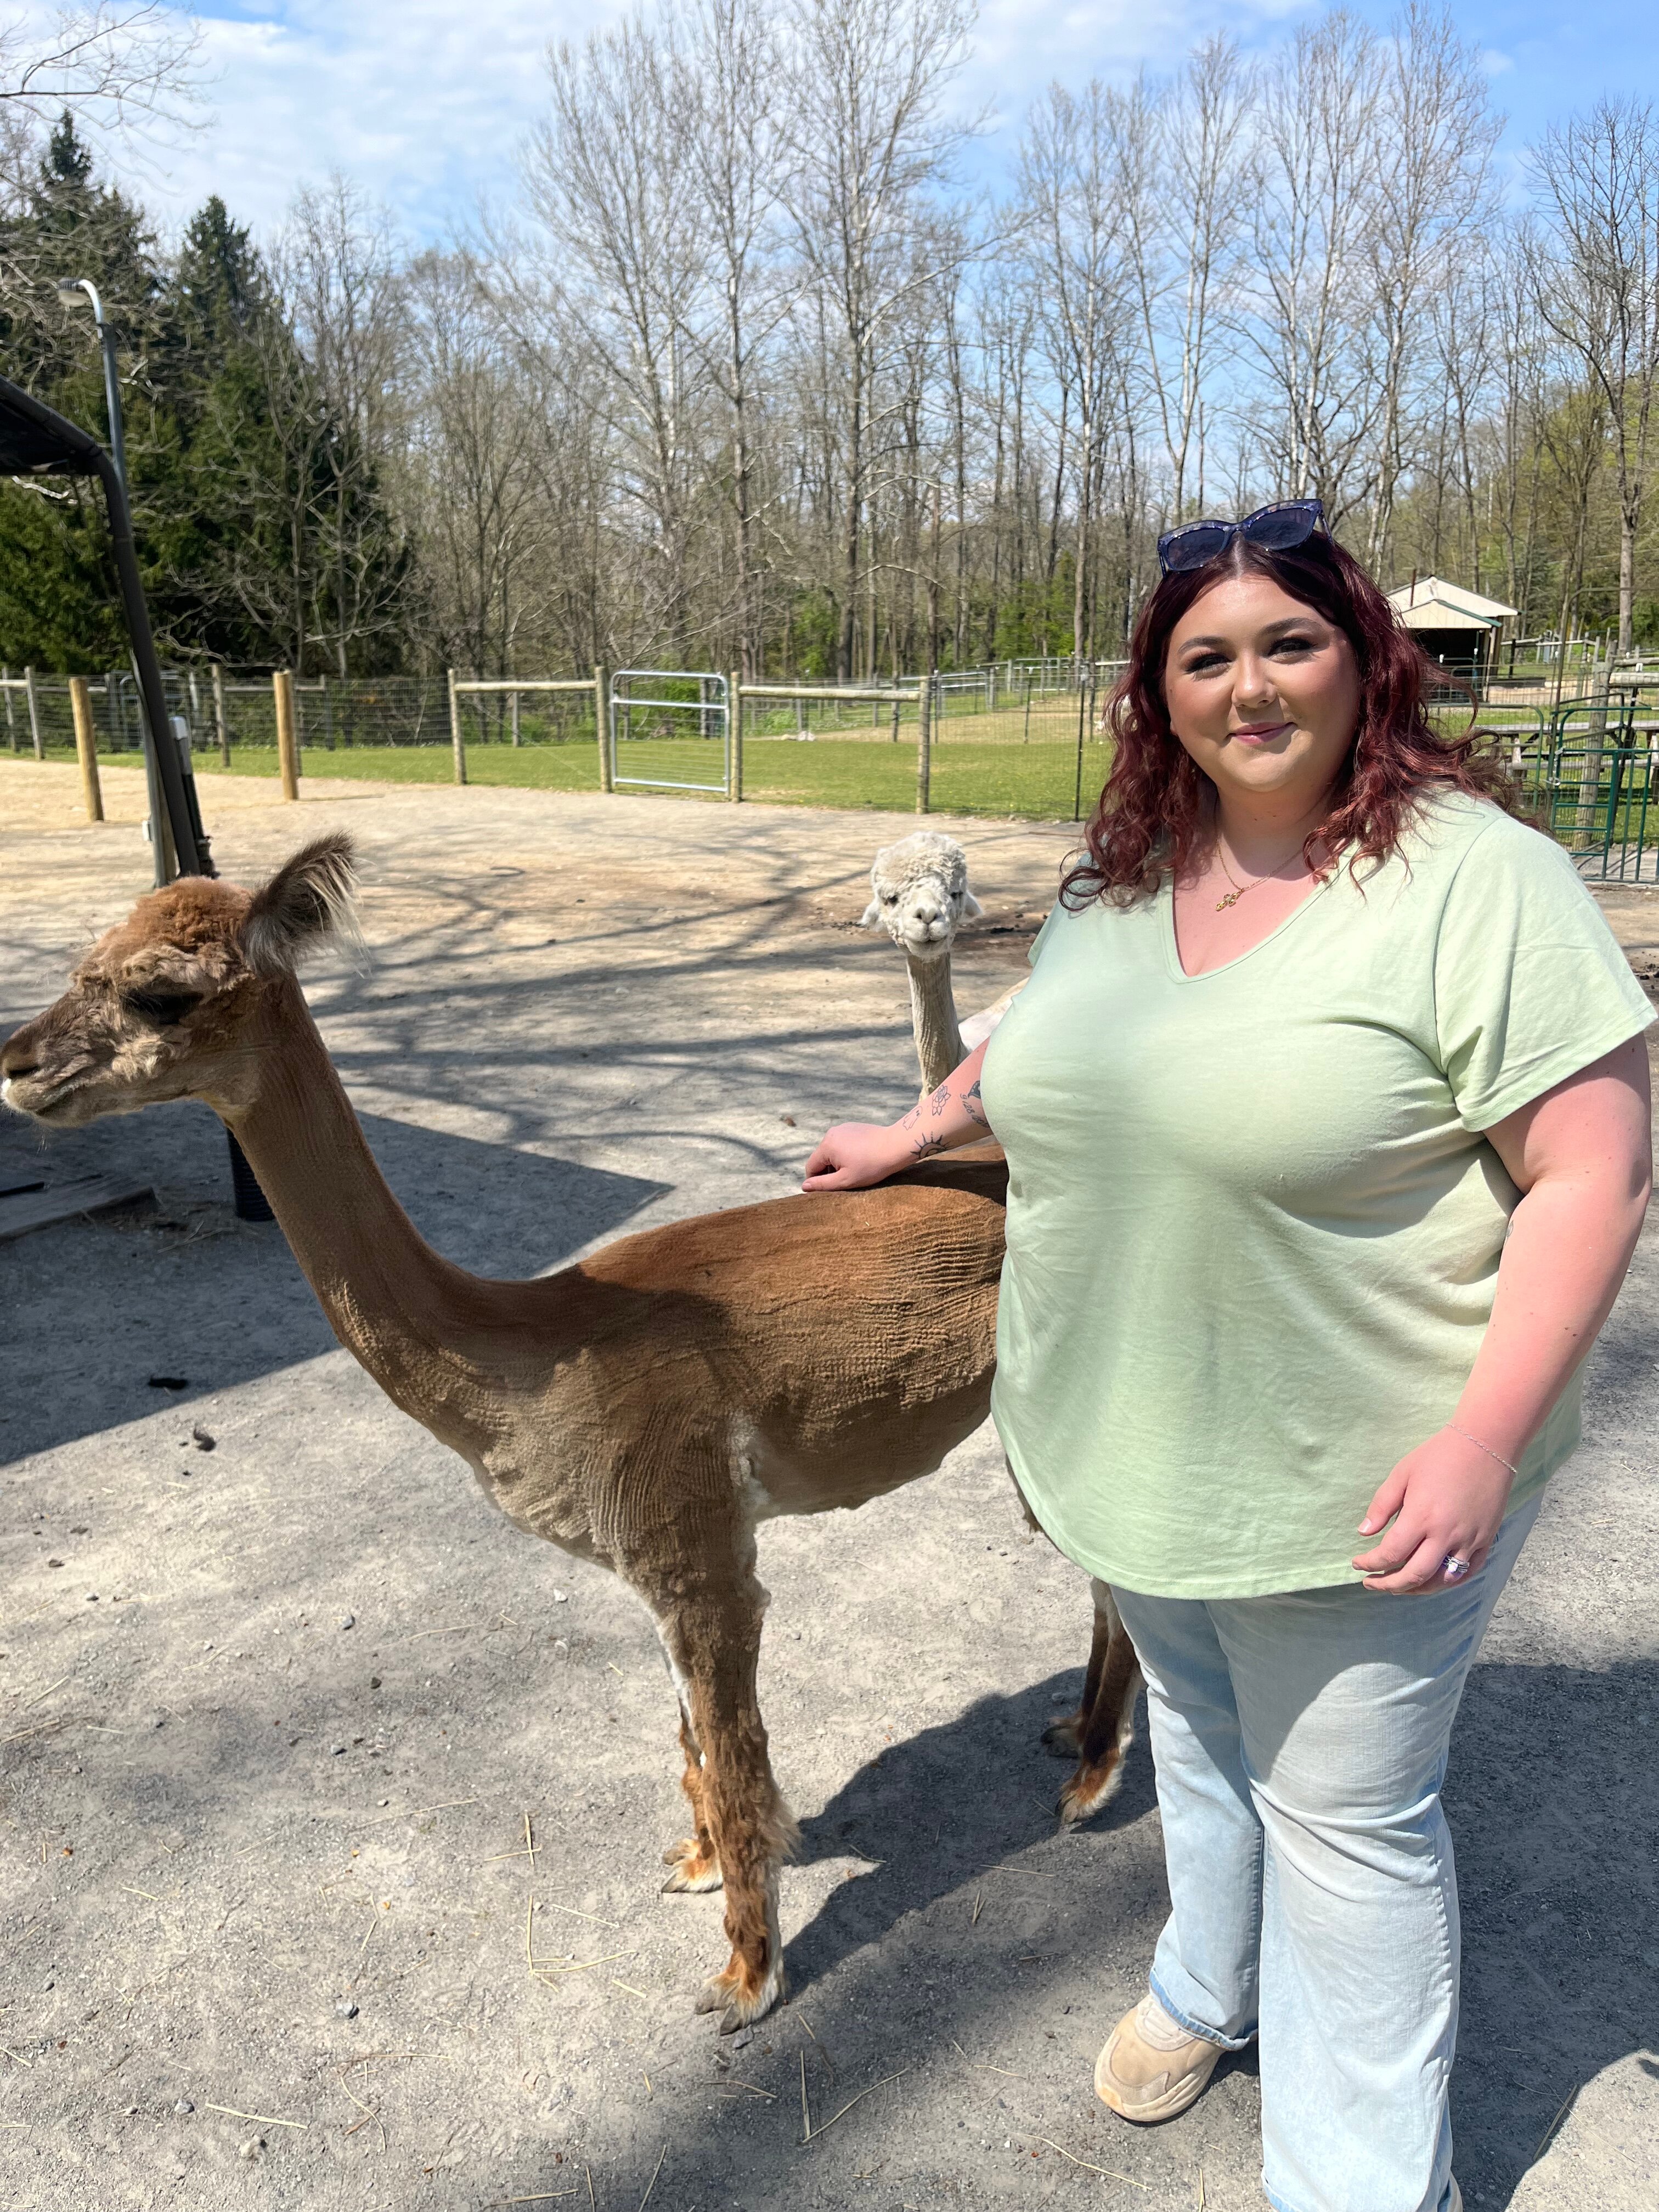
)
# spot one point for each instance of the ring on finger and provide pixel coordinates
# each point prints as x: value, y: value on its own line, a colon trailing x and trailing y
x: 1453, y: 1568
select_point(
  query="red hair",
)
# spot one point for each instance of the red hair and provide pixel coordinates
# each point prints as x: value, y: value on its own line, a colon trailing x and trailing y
x: 1155, y: 815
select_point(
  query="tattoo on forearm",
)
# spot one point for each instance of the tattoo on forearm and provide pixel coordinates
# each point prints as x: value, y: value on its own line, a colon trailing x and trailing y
x: 925, y: 1148
x: 940, y: 1101
x: 911, y: 1118
x: 973, y: 1108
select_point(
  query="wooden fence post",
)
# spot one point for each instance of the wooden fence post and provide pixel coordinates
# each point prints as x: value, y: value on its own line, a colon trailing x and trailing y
x: 11, y: 711
x: 288, y: 757
x: 734, y: 733
x: 220, y: 724
x: 86, y: 747
x: 34, y: 714
x: 602, y: 722
x: 458, y: 742
x: 924, y: 746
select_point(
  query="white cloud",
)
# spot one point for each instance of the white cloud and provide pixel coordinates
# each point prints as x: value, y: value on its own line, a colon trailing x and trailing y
x: 425, y: 102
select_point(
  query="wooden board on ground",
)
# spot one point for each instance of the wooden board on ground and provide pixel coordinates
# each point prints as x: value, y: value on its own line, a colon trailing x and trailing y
x: 21, y: 1211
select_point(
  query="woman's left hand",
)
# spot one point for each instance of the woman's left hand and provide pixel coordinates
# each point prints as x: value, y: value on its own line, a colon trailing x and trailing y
x: 1446, y: 1499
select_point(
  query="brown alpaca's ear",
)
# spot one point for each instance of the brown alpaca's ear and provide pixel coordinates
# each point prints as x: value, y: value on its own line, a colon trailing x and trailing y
x: 309, y: 903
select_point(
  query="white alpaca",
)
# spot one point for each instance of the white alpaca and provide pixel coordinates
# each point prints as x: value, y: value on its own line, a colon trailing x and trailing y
x: 920, y: 898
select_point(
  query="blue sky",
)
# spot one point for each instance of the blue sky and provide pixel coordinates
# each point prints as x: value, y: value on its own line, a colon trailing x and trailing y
x: 423, y: 102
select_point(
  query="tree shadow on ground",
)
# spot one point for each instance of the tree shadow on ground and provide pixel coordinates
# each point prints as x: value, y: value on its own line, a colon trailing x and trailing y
x: 1555, y: 1803
x: 1554, y: 1818
x: 93, y: 1308
x: 938, y: 1810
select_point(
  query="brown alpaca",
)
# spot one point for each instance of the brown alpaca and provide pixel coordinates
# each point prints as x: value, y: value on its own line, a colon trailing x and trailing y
x: 644, y: 1409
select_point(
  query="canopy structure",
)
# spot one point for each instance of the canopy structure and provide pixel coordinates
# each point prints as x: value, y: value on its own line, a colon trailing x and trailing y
x: 1449, y: 624
x: 35, y: 440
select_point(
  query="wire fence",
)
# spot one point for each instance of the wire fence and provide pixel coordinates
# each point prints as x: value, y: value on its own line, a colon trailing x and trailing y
x: 1014, y: 738
x: 1018, y: 739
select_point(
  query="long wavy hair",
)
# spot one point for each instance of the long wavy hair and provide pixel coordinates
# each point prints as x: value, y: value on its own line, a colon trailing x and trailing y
x: 1156, y: 816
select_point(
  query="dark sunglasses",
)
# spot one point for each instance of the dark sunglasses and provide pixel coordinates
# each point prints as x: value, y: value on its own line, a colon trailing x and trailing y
x: 1288, y: 522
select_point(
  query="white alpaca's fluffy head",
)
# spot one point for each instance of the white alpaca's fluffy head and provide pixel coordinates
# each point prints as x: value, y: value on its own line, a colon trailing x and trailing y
x: 921, y: 893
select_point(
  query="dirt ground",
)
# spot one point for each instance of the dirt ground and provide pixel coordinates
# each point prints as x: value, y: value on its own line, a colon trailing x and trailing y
x: 281, y: 1691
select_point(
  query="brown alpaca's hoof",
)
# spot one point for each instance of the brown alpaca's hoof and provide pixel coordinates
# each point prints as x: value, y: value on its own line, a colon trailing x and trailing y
x: 694, y: 1870
x: 1088, y: 1788
x: 1064, y: 1736
x: 741, y: 1996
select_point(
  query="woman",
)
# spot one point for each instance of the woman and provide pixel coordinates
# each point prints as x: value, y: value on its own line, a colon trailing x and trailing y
x: 1317, y: 1035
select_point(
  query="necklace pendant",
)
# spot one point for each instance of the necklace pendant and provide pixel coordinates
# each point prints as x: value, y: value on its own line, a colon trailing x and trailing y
x: 1231, y: 899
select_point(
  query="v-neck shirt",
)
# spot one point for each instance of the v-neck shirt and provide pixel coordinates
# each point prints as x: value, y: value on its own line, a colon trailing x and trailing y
x: 1253, y: 1225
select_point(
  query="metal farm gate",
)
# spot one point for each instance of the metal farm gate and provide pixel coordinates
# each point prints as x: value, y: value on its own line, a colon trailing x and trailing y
x: 1601, y: 803
x: 671, y: 730
x: 1591, y: 777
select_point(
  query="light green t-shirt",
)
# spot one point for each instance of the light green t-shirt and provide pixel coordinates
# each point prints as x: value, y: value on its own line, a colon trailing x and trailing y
x: 1253, y: 1228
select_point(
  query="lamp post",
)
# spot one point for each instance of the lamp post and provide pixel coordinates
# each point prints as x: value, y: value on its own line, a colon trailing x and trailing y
x: 70, y: 291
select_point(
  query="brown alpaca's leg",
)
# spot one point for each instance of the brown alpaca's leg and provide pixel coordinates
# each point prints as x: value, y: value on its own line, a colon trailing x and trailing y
x: 695, y: 1861
x: 1108, y: 1718
x: 719, y: 1645
x: 1064, y: 1734
x: 1099, y: 1729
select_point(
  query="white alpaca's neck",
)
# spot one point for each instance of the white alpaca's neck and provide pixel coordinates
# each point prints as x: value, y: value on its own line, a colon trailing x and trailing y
x: 934, y: 1020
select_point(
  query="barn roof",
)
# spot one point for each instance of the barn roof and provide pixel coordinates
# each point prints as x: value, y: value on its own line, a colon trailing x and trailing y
x: 1431, y: 603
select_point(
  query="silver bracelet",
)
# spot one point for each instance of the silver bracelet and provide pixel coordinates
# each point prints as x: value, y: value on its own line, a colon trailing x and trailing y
x: 1487, y: 1448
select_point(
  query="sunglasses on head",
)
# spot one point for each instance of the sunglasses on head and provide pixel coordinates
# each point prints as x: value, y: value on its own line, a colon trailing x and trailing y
x: 1287, y: 522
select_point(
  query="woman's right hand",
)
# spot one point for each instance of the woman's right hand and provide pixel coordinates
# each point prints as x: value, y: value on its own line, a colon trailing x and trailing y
x: 855, y: 1154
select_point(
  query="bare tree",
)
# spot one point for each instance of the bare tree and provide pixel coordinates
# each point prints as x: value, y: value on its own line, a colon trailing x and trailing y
x: 338, y: 270
x: 1463, y: 347
x: 1430, y: 195
x: 1071, y: 166
x: 1180, y: 181
x: 1521, y: 344
x: 869, y: 139
x: 730, y: 78
x: 1598, y: 181
x: 609, y: 176
x: 128, y: 72
x: 1311, y: 185
x: 476, y: 433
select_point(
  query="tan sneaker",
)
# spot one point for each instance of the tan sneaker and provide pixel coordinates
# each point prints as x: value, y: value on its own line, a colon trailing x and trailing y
x: 1151, y: 2068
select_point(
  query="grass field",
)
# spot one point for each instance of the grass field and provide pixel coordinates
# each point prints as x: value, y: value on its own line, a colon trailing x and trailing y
x: 1007, y: 763
x: 971, y: 775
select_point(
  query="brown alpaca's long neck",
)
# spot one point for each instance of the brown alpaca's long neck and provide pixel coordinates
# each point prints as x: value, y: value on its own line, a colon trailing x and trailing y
x: 934, y: 1018
x: 415, y: 1322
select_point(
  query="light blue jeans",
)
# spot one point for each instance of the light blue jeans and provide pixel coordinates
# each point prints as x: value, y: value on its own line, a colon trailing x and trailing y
x: 1300, y: 1742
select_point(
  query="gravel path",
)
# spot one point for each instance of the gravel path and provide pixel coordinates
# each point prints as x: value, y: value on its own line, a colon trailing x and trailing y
x: 281, y: 1693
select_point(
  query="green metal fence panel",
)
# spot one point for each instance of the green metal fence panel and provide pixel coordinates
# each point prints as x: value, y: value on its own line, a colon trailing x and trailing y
x: 1596, y: 794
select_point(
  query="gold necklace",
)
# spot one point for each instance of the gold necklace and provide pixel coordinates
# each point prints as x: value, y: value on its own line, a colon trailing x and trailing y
x: 1238, y: 890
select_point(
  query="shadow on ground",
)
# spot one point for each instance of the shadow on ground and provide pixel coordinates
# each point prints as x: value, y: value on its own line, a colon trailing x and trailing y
x: 1558, y: 1889
x: 87, y: 1321
x: 1560, y: 1898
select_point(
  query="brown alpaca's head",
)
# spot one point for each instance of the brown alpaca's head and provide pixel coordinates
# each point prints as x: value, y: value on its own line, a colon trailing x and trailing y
x: 174, y: 1002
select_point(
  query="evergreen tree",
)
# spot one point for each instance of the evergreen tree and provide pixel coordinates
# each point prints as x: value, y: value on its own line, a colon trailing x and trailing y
x: 233, y: 458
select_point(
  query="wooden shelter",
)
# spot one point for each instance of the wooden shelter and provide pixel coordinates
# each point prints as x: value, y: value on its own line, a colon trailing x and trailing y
x: 1456, y: 628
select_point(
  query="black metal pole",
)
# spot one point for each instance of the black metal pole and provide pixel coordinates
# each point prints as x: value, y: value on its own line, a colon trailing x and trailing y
x: 158, y: 731
x: 67, y: 449
x: 118, y: 444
